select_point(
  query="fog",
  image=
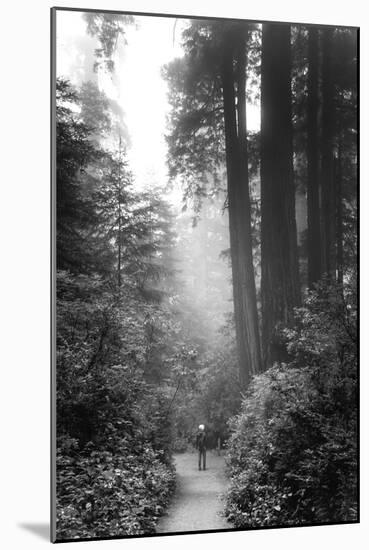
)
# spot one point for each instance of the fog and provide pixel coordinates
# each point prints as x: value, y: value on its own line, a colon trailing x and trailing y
x: 138, y: 107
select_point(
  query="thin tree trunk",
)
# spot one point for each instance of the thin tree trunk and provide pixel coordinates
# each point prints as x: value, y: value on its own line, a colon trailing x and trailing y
x: 313, y: 206
x: 280, y: 287
x: 244, y: 295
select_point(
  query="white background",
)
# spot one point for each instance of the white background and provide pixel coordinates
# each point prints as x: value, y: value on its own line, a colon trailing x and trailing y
x: 24, y: 272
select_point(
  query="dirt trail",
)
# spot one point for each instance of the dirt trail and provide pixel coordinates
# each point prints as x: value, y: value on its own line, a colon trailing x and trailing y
x: 196, y: 505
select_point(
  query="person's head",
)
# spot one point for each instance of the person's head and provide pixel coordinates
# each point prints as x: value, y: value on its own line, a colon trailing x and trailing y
x: 202, y: 428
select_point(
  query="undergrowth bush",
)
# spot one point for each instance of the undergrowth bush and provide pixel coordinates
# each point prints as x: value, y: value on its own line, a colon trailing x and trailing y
x: 292, y: 454
x: 114, y: 470
x: 101, y: 494
x: 116, y: 478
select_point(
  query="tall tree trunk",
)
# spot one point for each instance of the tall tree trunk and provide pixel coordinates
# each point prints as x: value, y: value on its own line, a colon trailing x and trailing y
x: 244, y: 214
x: 244, y: 293
x: 119, y: 215
x: 313, y: 206
x: 339, y: 216
x: 280, y: 287
x: 327, y: 169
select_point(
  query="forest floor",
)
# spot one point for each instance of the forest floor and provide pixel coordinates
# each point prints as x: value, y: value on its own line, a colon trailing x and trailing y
x: 197, y: 504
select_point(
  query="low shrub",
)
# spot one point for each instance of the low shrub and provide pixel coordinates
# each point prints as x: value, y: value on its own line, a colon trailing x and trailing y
x: 114, y: 466
x: 101, y: 494
x: 292, y: 454
x: 181, y: 445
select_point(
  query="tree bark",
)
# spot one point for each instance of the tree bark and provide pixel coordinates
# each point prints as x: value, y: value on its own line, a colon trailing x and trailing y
x: 280, y: 287
x: 339, y: 215
x: 313, y: 206
x: 244, y: 292
x: 327, y: 170
x: 119, y: 214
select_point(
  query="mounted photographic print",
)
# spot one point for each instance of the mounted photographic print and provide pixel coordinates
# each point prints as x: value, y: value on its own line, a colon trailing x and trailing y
x: 204, y: 277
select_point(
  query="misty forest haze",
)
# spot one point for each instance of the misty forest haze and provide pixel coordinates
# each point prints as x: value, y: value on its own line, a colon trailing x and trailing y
x: 206, y: 226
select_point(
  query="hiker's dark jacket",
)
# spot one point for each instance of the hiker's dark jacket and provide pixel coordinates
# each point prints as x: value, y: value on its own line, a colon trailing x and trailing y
x: 201, y: 441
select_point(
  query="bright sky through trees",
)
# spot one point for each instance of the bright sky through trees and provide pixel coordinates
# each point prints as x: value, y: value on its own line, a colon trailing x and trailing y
x: 137, y: 84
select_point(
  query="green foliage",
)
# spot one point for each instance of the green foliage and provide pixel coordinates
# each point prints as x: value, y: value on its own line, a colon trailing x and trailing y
x: 113, y: 428
x: 218, y: 386
x: 95, y: 108
x: 196, y: 136
x: 196, y: 140
x: 105, y: 494
x: 292, y: 455
x: 107, y: 27
x: 114, y: 425
x: 76, y: 214
x: 209, y: 393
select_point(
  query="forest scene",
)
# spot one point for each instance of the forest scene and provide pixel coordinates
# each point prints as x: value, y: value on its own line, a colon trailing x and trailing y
x: 206, y: 275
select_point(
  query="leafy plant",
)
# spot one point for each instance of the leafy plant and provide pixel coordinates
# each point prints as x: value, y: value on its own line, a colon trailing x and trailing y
x: 292, y: 454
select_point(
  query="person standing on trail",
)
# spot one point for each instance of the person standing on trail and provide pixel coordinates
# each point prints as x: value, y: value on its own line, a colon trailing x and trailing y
x: 201, y: 446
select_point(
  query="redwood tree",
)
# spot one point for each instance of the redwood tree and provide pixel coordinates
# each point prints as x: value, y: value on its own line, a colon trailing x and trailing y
x: 313, y: 206
x: 208, y: 88
x: 279, y: 262
x: 328, y: 162
x: 244, y: 292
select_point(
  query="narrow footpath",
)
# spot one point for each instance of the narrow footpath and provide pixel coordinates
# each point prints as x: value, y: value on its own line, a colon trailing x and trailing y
x: 196, y: 505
